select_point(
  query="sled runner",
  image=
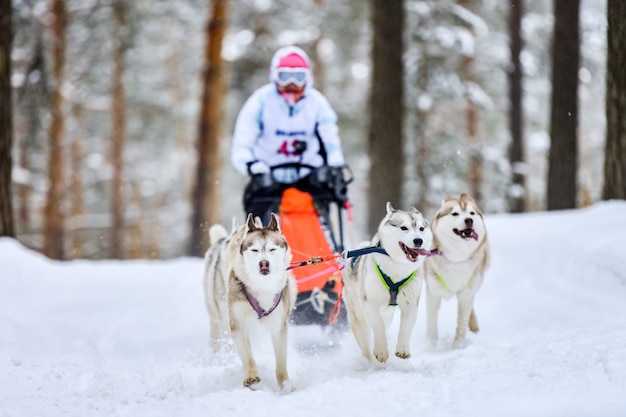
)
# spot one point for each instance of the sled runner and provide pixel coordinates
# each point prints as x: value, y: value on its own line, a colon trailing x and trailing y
x: 312, y: 223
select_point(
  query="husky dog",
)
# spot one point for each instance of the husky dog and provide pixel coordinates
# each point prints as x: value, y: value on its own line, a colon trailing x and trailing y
x: 259, y: 289
x: 463, y: 255
x: 376, y: 281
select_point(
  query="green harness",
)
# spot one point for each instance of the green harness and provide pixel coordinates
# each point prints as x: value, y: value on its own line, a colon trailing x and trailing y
x: 393, y: 287
x: 445, y: 284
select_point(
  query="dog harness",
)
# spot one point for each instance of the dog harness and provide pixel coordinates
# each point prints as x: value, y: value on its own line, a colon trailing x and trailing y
x: 393, y: 287
x: 445, y: 284
x: 257, y: 307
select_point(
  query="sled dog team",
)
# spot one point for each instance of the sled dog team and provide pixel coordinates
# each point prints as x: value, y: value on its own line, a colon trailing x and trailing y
x: 247, y: 281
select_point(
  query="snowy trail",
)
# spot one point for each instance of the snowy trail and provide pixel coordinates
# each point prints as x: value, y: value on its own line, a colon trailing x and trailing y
x: 131, y: 338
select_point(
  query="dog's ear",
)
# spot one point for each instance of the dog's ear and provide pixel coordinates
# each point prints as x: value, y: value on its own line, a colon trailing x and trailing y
x: 233, y: 225
x: 414, y: 210
x: 273, y: 226
x: 389, y: 208
x: 250, y: 223
x: 466, y: 197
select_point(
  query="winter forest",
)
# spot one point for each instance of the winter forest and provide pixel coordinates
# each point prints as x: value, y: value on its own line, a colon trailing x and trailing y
x: 117, y: 115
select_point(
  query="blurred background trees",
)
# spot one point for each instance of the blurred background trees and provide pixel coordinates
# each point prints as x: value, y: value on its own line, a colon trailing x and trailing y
x: 563, y: 155
x: 6, y: 128
x: 614, y: 186
x: 109, y: 100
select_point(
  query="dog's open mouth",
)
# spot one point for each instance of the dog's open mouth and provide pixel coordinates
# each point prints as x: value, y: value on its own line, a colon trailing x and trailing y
x: 264, y: 267
x: 466, y: 233
x: 413, y: 253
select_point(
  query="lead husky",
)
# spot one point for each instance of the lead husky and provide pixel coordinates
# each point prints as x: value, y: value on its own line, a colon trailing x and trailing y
x: 376, y: 281
x: 461, y: 240
x: 259, y: 289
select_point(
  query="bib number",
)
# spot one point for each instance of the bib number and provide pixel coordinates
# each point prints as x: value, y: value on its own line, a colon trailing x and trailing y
x: 292, y: 148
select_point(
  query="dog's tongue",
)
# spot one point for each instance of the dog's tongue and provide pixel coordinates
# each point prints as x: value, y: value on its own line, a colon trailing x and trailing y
x: 467, y: 233
x: 419, y: 251
x: 413, y: 253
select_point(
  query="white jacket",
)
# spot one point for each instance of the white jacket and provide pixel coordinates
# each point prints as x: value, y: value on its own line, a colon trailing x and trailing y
x: 267, y: 128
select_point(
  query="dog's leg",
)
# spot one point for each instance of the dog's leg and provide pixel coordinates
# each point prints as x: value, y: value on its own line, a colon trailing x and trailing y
x: 408, y: 317
x: 360, y: 329
x: 279, y: 341
x: 433, y: 303
x: 241, y: 338
x: 215, y: 335
x: 358, y: 321
x: 465, y: 307
x: 381, y: 351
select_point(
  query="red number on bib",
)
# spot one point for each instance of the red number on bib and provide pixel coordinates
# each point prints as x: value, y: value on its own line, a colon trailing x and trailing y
x: 284, y: 149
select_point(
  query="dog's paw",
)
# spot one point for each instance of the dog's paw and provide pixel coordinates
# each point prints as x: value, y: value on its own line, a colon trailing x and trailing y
x: 403, y: 355
x: 251, y: 381
x: 381, y: 356
x: 287, y: 387
x: 460, y: 343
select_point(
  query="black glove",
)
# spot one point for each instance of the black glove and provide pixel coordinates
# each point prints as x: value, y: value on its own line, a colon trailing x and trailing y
x: 260, y: 181
x: 333, y: 179
x: 340, y: 185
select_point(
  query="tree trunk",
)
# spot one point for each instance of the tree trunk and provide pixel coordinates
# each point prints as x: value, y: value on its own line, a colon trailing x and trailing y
x: 467, y: 72
x: 205, y: 199
x: 34, y: 96
x: 386, y: 109
x: 615, y: 151
x: 516, y: 152
x: 53, y: 216
x: 563, y: 158
x: 77, y: 206
x: 184, y: 151
x: 6, y: 120
x: 118, y: 111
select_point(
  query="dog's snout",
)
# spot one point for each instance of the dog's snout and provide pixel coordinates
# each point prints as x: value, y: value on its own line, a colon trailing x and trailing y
x: 264, y: 263
x: 418, y: 242
x: 469, y: 222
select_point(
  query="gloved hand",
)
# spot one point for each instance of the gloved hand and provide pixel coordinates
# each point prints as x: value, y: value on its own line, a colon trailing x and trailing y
x: 340, y: 185
x: 258, y: 167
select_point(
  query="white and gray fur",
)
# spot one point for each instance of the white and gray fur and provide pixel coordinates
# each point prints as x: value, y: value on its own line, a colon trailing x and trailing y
x: 256, y: 257
x: 367, y: 298
x: 460, y: 236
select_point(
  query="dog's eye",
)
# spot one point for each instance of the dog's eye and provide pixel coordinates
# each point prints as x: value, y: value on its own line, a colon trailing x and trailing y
x: 254, y: 250
x: 455, y: 213
x: 272, y: 249
x: 421, y: 229
x: 472, y: 213
x: 404, y: 228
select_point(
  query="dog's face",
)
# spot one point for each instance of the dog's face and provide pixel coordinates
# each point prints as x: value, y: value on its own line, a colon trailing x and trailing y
x: 264, y: 249
x: 459, y: 221
x: 405, y: 235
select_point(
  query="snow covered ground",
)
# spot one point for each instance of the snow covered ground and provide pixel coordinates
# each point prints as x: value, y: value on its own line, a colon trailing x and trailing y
x: 130, y: 338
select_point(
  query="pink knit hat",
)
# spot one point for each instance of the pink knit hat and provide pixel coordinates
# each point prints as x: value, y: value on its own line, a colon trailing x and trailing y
x: 293, y: 60
x: 291, y: 57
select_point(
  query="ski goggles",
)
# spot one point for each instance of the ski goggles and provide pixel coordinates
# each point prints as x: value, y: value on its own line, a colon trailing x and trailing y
x: 286, y: 76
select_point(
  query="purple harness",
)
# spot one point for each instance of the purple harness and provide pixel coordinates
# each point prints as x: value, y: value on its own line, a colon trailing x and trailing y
x: 255, y: 303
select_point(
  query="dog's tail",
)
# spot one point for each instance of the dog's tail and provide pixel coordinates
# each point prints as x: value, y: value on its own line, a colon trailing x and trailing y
x: 217, y: 232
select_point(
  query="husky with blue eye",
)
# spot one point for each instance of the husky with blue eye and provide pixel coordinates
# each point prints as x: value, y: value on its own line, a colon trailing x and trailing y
x: 460, y: 238
x: 379, y: 283
x: 259, y: 290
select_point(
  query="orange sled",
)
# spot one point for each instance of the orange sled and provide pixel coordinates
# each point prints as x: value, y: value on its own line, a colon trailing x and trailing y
x: 318, y: 283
